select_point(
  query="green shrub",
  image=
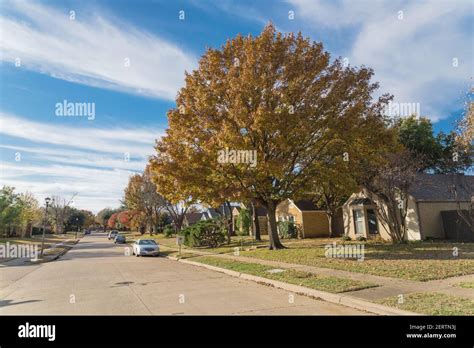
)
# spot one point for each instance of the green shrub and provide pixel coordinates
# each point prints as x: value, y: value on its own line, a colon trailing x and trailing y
x: 346, y: 237
x: 168, y: 231
x: 243, y: 222
x: 361, y: 239
x: 287, y: 229
x: 208, y: 233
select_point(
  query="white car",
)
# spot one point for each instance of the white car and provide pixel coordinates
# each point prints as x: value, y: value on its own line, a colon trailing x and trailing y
x: 145, y: 247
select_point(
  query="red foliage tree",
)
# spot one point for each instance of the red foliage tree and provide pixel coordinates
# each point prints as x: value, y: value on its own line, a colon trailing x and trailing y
x: 112, y: 221
x: 124, y: 218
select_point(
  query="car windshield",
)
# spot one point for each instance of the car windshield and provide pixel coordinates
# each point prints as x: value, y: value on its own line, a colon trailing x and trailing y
x: 147, y: 242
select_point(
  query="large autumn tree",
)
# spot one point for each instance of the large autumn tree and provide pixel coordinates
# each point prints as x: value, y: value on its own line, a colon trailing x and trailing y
x: 278, y: 95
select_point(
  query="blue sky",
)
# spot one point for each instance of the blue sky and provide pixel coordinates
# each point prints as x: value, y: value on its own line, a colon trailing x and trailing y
x: 129, y: 58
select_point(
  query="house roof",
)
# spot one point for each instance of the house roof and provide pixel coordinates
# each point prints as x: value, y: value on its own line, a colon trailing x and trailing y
x: 361, y: 201
x: 305, y: 205
x: 212, y: 213
x: 192, y: 218
x: 440, y: 187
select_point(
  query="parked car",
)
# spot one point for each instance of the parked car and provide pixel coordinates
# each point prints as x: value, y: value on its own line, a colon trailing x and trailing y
x: 145, y: 247
x: 112, y: 234
x: 120, y: 239
x: 87, y: 231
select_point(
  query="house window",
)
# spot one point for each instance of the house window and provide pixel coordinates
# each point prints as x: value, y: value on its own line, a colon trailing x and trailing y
x: 358, y: 221
x: 372, y: 221
x: 291, y: 218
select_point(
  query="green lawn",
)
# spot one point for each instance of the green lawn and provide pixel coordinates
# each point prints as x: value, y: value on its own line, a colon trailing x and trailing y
x: 310, y: 280
x: 432, y: 304
x: 466, y: 285
x: 420, y: 261
x: 414, y: 261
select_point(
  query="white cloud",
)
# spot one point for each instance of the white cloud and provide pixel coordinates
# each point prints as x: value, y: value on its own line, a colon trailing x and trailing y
x: 413, y: 57
x: 92, y: 165
x: 136, y: 142
x: 95, y: 188
x: 92, y: 50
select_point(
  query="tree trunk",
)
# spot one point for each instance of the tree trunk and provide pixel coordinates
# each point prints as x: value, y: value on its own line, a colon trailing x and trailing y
x: 28, y: 230
x: 228, y: 221
x: 255, y: 223
x: 329, y: 215
x: 273, y: 231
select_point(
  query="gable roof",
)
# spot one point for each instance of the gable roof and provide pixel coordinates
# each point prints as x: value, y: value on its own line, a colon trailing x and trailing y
x: 212, y: 213
x: 439, y: 187
x: 192, y: 218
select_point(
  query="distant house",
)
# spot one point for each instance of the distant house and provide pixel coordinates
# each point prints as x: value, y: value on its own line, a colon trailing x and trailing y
x: 262, y: 218
x: 432, y: 197
x: 312, y: 221
x: 210, y: 213
x: 191, y: 219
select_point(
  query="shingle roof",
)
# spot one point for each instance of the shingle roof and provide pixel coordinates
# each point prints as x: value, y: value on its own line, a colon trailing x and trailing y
x: 212, y: 213
x: 361, y: 201
x: 439, y: 187
x: 192, y: 218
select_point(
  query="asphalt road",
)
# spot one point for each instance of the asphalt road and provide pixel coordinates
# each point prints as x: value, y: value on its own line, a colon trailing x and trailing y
x: 96, y: 277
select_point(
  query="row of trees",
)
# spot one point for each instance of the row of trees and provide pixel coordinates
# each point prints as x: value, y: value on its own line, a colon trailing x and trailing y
x: 20, y: 213
x: 313, y: 124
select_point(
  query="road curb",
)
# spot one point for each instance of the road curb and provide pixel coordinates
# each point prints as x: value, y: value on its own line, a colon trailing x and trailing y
x: 344, y: 300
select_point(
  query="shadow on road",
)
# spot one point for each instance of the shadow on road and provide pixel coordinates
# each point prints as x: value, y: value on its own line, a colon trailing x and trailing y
x: 5, y: 303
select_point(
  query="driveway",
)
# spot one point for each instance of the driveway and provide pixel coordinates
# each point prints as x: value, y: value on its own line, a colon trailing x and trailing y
x: 96, y: 277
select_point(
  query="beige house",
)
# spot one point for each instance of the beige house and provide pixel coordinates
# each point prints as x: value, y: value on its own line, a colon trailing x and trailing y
x: 431, y: 197
x: 311, y: 221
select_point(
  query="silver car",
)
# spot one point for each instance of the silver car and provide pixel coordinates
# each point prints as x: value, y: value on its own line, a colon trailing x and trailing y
x: 145, y: 247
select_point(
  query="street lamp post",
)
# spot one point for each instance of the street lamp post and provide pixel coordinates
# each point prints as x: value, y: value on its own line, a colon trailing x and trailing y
x: 47, y: 200
x: 77, y: 223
